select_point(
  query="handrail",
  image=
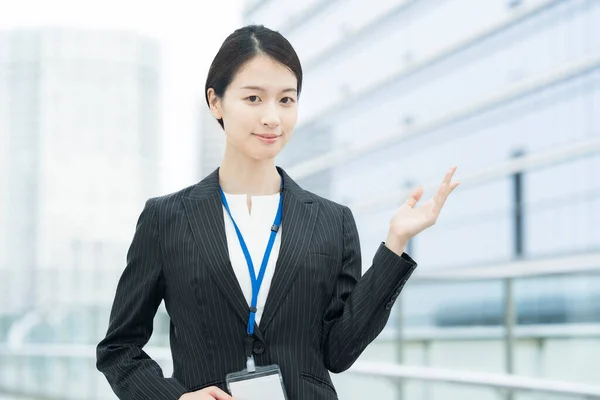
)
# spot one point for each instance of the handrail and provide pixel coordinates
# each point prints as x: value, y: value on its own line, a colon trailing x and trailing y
x: 515, y: 91
x: 489, y: 380
x: 560, y: 265
x: 383, y: 370
x: 492, y: 333
x: 20, y: 394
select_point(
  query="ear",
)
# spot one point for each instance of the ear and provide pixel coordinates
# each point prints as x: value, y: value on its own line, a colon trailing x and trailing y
x: 214, y: 102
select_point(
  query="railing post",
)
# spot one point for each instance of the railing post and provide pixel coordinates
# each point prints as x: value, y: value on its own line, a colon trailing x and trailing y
x: 509, y: 323
x: 427, y: 362
x: 399, y: 309
x: 510, y: 318
x: 399, y: 344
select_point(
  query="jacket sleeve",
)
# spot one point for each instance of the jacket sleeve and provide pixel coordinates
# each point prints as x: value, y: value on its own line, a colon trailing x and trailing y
x: 360, y: 306
x: 132, y: 374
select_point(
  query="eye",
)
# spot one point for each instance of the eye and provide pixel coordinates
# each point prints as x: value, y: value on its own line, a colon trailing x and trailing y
x: 252, y: 99
x: 287, y: 100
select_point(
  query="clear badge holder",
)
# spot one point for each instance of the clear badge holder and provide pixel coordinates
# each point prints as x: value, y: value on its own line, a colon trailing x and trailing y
x: 264, y: 383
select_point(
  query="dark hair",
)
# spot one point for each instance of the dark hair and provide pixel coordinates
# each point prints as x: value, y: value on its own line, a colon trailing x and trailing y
x: 244, y: 44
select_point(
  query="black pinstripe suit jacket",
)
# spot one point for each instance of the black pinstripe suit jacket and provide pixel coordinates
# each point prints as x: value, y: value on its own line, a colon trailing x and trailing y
x: 319, y: 316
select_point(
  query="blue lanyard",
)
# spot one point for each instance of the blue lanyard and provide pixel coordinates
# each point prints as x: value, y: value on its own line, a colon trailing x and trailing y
x: 256, y: 281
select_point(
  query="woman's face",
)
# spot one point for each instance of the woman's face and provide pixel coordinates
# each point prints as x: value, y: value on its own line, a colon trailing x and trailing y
x: 259, y: 108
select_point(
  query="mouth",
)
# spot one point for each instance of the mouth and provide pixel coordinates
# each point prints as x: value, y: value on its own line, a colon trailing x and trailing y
x: 267, y: 137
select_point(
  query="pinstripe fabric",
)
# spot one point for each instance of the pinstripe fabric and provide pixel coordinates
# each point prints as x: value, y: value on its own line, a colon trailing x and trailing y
x: 319, y: 316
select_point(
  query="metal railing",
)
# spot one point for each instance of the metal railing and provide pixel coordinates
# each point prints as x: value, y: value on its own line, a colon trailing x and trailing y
x: 505, y: 272
x: 505, y: 383
x: 488, y: 380
x: 559, y: 265
x: 390, y: 371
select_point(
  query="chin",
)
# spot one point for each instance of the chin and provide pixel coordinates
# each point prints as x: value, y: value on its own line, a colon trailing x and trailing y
x: 266, y: 156
x: 263, y: 154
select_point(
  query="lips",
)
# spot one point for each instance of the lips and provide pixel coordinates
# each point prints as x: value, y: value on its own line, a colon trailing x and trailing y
x: 267, y: 135
x: 268, y: 138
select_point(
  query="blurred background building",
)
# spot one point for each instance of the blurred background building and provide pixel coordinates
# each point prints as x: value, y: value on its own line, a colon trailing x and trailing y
x: 395, y: 92
x: 212, y: 142
x: 80, y: 138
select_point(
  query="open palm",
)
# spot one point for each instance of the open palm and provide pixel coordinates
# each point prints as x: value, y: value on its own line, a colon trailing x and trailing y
x: 409, y: 220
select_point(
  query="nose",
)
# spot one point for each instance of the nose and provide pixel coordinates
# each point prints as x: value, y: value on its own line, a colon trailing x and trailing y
x: 270, y: 117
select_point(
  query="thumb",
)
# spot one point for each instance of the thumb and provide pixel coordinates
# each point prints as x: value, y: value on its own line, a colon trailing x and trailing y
x: 218, y: 394
x: 415, y: 196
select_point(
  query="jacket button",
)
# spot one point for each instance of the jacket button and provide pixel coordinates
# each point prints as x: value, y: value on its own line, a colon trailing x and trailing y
x: 395, y: 296
x: 389, y: 305
x: 258, y: 348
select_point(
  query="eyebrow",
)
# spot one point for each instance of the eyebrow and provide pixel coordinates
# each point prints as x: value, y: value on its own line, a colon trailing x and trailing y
x: 263, y: 89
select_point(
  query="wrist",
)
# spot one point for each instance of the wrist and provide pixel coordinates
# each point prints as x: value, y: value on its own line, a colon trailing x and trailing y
x: 396, y: 243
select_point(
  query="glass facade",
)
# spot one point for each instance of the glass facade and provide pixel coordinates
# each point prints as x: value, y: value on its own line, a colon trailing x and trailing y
x: 405, y: 89
x: 79, y: 157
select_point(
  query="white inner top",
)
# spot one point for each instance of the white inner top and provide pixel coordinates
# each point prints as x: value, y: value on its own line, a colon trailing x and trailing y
x: 256, y: 230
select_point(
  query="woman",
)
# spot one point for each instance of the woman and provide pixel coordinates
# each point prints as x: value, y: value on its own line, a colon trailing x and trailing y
x: 301, y: 303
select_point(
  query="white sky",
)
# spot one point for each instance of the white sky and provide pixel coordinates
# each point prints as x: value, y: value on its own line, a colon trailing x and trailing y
x: 190, y: 33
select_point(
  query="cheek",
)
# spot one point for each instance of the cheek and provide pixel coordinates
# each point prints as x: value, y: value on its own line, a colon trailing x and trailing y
x: 239, y: 117
x: 290, y: 119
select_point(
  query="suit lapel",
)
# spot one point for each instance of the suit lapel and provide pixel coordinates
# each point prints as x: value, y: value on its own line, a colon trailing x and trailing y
x: 299, y: 216
x: 205, y: 213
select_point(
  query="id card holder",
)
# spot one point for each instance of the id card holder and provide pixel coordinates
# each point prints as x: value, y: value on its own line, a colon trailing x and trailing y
x: 264, y: 383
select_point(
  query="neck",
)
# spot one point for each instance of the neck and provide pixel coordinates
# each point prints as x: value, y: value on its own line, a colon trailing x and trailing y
x: 242, y: 175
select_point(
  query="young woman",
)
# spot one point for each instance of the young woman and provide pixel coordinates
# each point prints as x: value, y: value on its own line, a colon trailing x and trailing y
x: 253, y: 269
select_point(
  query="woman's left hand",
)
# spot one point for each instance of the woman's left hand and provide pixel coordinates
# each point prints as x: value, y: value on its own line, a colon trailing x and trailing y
x: 409, y: 220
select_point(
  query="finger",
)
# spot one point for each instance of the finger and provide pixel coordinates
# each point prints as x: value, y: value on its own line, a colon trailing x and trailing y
x: 446, y: 187
x: 414, y: 197
x: 450, y: 174
x: 218, y: 394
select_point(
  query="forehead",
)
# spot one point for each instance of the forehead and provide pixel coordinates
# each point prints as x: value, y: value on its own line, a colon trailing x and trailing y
x: 265, y: 72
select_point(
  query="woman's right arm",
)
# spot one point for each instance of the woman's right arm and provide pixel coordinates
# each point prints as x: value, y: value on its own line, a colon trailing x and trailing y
x: 131, y: 373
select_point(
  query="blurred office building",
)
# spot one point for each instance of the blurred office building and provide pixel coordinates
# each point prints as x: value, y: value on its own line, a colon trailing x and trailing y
x: 79, y: 126
x: 396, y: 92
x: 212, y: 142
